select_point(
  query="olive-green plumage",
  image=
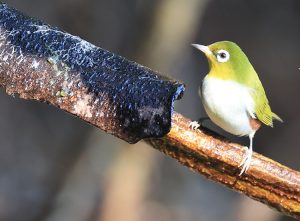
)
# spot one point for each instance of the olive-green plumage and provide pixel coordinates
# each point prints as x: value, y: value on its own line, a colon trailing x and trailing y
x: 232, y: 94
x: 239, y: 69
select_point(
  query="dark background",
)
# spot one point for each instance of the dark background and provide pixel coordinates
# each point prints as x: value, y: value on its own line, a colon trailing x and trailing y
x: 54, y: 167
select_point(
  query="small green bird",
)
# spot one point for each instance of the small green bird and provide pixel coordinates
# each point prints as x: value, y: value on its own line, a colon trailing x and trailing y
x: 232, y: 94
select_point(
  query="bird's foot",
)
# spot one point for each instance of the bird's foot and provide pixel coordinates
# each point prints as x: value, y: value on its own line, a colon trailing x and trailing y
x: 245, y: 164
x: 194, y: 125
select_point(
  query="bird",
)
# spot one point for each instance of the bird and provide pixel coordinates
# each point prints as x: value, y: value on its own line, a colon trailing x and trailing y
x: 233, y: 95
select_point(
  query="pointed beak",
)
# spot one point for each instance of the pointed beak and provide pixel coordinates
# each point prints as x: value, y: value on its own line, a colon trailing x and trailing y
x: 203, y: 48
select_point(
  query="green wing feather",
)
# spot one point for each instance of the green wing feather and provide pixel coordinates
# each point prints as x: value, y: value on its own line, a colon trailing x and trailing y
x: 262, y: 108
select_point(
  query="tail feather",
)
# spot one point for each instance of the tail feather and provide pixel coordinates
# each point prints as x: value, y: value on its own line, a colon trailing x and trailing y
x: 276, y: 117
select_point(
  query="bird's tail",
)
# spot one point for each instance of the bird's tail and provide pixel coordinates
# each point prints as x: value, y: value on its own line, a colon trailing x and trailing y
x: 276, y: 117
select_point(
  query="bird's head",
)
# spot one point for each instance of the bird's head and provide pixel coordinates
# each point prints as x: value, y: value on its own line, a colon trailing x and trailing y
x: 226, y: 60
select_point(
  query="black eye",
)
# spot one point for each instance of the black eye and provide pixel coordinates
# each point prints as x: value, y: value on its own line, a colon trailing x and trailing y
x: 223, y: 55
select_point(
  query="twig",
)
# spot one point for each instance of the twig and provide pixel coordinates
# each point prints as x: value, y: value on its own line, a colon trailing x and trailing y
x: 217, y: 158
x: 130, y: 101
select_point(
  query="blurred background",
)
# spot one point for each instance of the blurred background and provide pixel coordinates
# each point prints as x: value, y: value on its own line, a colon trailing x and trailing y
x: 54, y: 167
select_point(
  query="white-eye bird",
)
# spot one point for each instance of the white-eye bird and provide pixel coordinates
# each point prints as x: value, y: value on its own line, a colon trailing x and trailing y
x: 232, y: 94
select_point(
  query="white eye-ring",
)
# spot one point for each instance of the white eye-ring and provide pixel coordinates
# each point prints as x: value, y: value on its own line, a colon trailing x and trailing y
x: 223, y: 56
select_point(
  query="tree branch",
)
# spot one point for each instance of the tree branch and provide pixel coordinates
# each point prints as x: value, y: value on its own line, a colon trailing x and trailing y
x: 119, y: 96
x: 217, y: 158
x: 130, y: 101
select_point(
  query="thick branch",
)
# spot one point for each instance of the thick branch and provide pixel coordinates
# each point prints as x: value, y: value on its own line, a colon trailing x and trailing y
x: 119, y: 96
x: 130, y: 101
x: 217, y: 158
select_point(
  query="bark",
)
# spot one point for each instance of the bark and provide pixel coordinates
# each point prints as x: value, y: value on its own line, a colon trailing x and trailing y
x: 218, y: 159
x: 132, y: 102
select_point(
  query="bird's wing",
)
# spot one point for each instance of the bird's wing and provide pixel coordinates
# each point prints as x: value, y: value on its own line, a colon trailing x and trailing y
x: 262, y: 108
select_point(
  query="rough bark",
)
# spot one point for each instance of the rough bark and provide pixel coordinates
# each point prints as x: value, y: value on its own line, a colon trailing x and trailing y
x: 217, y: 158
x: 130, y: 101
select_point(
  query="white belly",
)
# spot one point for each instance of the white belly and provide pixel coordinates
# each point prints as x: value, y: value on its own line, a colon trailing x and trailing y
x: 228, y: 104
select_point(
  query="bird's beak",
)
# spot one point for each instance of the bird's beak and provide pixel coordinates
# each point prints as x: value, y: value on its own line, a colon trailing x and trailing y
x: 203, y: 48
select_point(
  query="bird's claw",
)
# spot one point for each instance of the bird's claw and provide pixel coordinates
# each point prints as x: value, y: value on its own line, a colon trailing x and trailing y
x: 194, y: 125
x: 245, y: 164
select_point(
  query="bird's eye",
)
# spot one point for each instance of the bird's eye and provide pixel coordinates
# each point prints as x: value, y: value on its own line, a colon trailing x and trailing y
x: 222, y: 56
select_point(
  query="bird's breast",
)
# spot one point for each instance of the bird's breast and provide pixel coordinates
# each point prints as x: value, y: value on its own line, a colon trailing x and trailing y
x: 228, y: 104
